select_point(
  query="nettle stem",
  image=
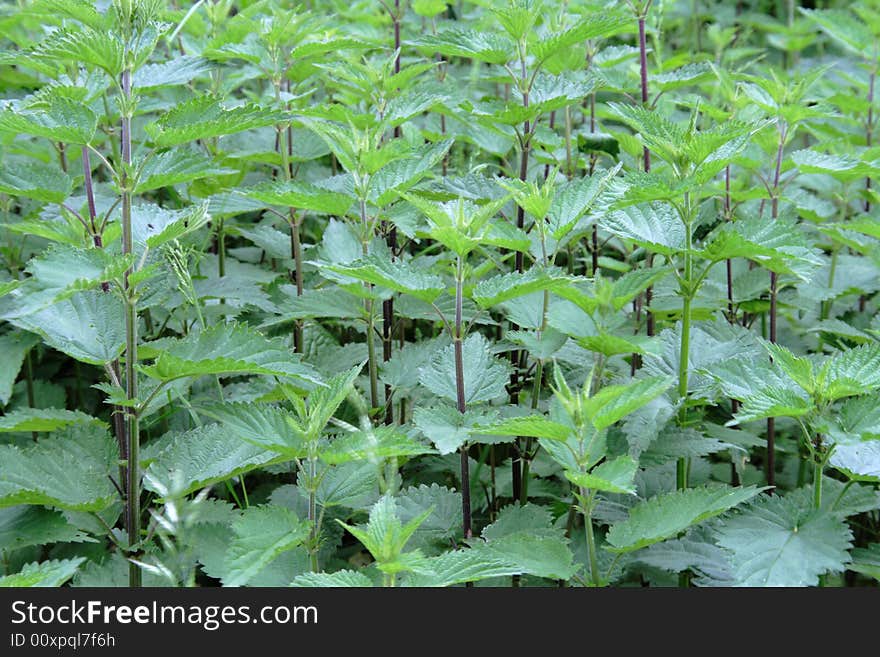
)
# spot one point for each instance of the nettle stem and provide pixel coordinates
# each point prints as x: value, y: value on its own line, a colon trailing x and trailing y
x: 681, y: 474
x: 590, y: 538
x: 516, y: 355
x: 391, y: 240
x: 285, y: 148
x: 774, y: 214
x: 372, y: 366
x: 133, y: 507
x: 461, y: 404
x: 869, y: 129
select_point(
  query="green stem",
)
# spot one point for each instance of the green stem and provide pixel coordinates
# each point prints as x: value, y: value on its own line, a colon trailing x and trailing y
x: 591, y: 540
x: 29, y: 386
x: 133, y: 488
x: 684, y: 347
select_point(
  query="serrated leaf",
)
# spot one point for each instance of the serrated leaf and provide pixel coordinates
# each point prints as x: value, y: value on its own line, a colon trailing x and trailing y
x: 773, y: 402
x: 260, y: 424
x: 204, y: 117
x: 482, y: 46
x: 504, y: 287
x: 615, y: 476
x: 858, y: 460
x: 444, y: 520
x: 300, y: 196
x: 175, y: 167
x: 668, y: 514
x: 373, y: 446
x: 655, y: 226
x: 187, y: 461
x: 227, y: 350
x: 541, y: 556
x: 533, y: 426
x: 36, y: 180
x: 44, y: 574
x: 156, y: 226
x: 444, y: 426
x: 776, y: 542
x: 260, y: 535
x: 613, y: 403
x: 178, y: 71
x: 351, y: 485
x: 57, y: 118
x: 460, y: 566
x: 24, y: 526
x: 401, y: 174
x: 43, y: 419
x: 395, y: 275
x: 89, y: 326
x: 852, y: 372
x: 339, y: 579
x: 68, y: 470
x: 485, y: 377
x: 14, y: 346
x: 84, y: 45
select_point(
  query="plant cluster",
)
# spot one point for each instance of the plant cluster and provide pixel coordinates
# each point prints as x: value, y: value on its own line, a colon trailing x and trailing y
x: 439, y: 292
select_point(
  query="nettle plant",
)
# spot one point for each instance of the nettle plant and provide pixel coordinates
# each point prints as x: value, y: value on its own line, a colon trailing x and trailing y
x: 433, y: 293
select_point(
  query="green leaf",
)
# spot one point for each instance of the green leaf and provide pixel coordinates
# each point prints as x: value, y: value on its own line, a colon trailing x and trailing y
x: 226, y: 350
x: 24, y: 526
x: 485, y: 377
x: 443, y: 523
x: 399, y: 175
x: 14, y: 346
x: 656, y: 226
x: 773, y: 402
x: 43, y: 419
x: 300, y: 196
x: 668, y: 514
x: 56, y: 117
x: 777, y: 245
x: 615, y: 476
x: 36, y: 180
x: 186, y: 461
x: 845, y: 28
x: 613, y: 403
x: 51, y: 573
x: 374, y: 445
x: 205, y: 117
x: 504, y: 287
x: 64, y: 269
x: 533, y: 426
x: 84, y: 46
x: 775, y: 542
x: 482, y: 46
x: 155, y: 226
x: 444, y: 426
x: 352, y: 485
x: 261, y: 425
x: 395, y: 275
x: 541, y: 556
x: 174, y: 72
x: 866, y: 561
x: 89, y: 326
x: 858, y: 460
x: 339, y: 579
x: 385, y: 535
x: 460, y: 566
x: 261, y: 533
x: 852, y: 372
x: 69, y: 470
x: 174, y: 167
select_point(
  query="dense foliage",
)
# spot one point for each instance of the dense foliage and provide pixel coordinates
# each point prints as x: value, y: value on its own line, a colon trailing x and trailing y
x: 432, y: 292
